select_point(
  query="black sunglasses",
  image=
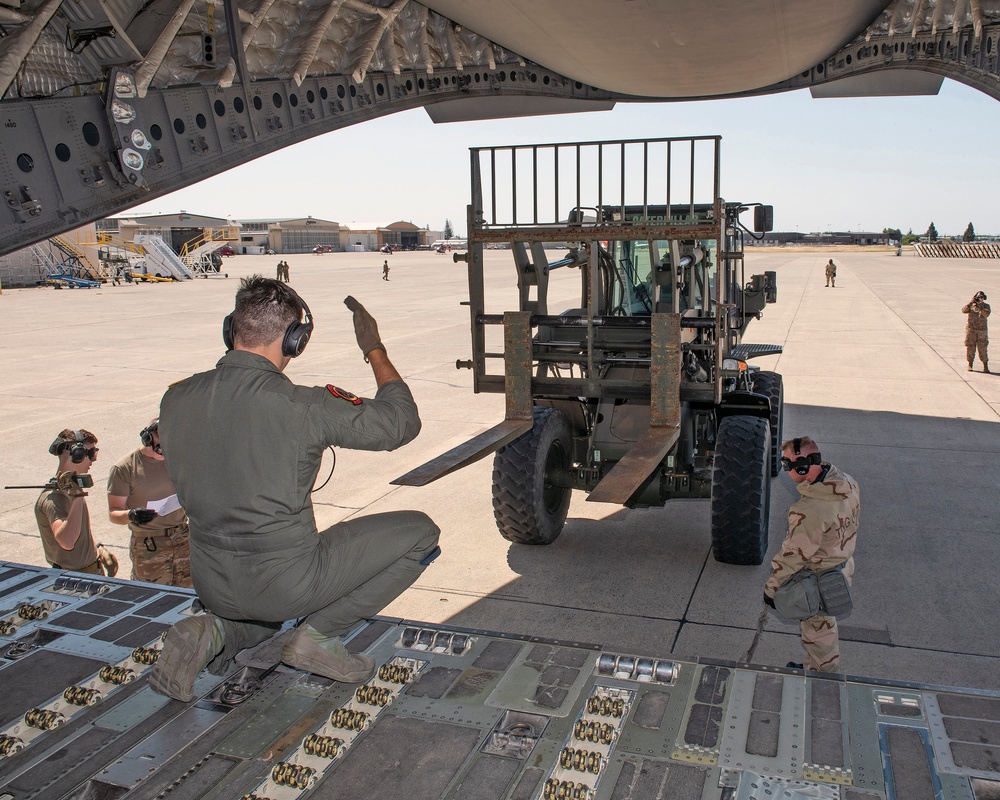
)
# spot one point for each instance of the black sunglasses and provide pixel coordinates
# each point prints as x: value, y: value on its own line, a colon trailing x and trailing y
x: 802, y: 464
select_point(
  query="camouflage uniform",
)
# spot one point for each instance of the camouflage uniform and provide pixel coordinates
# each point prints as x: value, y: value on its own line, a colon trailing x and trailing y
x: 976, y: 333
x: 159, y: 548
x: 831, y: 274
x: 822, y: 533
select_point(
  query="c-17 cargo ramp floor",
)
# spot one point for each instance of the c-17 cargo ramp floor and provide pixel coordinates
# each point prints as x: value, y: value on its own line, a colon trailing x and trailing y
x: 452, y: 713
x: 874, y: 370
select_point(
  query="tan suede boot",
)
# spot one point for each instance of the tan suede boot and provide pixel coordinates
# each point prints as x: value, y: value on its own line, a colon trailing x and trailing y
x: 190, y: 644
x: 329, y: 659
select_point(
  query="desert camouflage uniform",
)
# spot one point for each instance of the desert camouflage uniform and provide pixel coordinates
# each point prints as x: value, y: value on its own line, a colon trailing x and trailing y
x: 822, y: 533
x: 976, y: 332
x: 831, y: 273
x: 160, y: 549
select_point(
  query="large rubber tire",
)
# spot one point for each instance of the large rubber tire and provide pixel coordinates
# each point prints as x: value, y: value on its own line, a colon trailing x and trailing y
x: 741, y: 491
x: 770, y: 385
x: 527, y: 507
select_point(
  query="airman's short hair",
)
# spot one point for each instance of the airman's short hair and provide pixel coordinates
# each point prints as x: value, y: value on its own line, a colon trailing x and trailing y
x: 806, y: 443
x: 264, y: 310
x: 68, y: 435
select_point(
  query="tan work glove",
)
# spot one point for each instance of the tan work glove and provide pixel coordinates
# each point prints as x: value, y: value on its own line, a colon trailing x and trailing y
x: 108, y: 561
x: 365, y: 327
x: 67, y: 484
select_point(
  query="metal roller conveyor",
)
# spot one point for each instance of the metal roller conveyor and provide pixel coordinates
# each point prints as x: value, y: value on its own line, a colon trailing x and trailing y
x: 484, y: 715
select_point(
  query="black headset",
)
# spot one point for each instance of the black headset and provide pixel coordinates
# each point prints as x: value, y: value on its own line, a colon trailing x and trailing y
x: 146, y: 434
x: 296, y: 335
x: 802, y: 464
x: 77, y: 449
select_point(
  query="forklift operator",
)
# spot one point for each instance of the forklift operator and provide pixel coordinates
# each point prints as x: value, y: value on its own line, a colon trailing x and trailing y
x: 243, y: 445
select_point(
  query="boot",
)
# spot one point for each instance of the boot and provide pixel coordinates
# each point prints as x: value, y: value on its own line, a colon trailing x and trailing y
x: 986, y: 367
x: 189, y: 646
x: 327, y: 657
x: 970, y: 367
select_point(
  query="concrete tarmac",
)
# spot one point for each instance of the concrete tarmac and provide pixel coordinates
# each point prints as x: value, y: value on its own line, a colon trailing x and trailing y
x: 874, y: 369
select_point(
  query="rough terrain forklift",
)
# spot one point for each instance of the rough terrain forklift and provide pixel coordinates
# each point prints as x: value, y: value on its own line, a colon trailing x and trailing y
x: 637, y: 391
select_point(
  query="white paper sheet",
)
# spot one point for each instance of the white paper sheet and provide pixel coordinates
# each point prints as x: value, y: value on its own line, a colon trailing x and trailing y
x: 164, y: 506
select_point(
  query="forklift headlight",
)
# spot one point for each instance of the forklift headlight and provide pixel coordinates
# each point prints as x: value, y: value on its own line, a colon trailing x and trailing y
x: 734, y: 365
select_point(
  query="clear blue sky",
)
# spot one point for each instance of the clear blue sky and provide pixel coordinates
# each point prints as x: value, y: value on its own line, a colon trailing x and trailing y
x: 844, y: 164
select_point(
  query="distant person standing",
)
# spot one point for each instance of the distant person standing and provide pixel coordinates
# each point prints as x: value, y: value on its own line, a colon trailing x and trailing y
x: 831, y: 274
x: 976, y: 330
x: 284, y: 271
x: 159, y: 545
x: 279, y: 270
x: 385, y: 270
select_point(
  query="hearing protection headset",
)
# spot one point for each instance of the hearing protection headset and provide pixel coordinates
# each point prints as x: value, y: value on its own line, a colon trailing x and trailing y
x: 802, y: 464
x: 146, y: 434
x: 296, y: 335
x: 77, y: 449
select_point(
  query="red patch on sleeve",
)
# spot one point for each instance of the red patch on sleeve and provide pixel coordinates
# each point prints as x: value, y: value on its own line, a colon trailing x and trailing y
x: 343, y: 395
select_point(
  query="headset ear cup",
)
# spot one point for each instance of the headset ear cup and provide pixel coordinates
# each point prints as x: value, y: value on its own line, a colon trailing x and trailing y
x: 146, y: 437
x: 78, y: 449
x: 296, y: 338
x: 228, y: 332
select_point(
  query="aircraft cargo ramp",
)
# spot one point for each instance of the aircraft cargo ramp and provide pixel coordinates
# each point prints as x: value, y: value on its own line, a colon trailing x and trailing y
x: 457, y: 714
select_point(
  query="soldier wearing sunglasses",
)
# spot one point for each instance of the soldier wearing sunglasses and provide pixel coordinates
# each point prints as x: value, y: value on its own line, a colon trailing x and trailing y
x: 61, y: 510
x: 822, y: 534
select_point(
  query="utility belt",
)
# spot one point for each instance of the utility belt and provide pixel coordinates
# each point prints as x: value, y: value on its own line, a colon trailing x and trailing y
x: 93, y: 569
x: 167, y: 536
x: 808, y: 594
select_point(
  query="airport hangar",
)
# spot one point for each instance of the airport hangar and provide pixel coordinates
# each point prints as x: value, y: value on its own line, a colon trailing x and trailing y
x: 111, y: 103
x: 282, y: 236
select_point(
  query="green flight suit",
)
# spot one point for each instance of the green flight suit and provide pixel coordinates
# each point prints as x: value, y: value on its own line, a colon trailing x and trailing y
x: 243, y: 445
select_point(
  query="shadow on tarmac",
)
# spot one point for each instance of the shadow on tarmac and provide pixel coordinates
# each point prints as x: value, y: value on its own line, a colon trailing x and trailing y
x: 644, y: 581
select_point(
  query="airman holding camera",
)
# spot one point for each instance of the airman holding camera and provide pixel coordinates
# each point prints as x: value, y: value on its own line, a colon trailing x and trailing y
x: 976, y: 332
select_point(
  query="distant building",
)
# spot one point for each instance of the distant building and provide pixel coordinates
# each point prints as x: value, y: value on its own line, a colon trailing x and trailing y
x: 400, y: 235
x: 177, y: 230
x: 780, y: 238
x: 304, y: 234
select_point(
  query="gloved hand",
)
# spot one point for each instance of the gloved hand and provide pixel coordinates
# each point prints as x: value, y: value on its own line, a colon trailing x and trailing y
x: 140, y: 516
x: 365, y: 327
x: 67, y: 484
x: 108, y: 561
x: 768, y: 601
